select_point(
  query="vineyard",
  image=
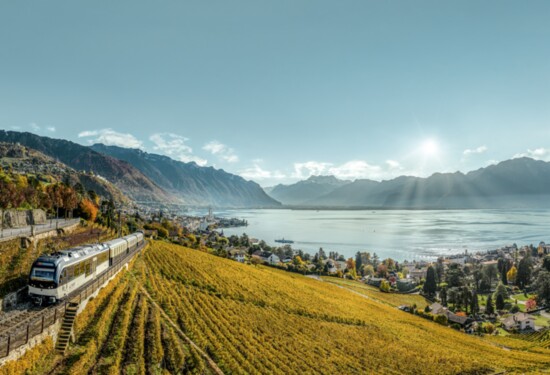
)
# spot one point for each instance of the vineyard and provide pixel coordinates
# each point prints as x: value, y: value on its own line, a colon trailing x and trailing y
x: 179, y: 310
x: 260, y: 320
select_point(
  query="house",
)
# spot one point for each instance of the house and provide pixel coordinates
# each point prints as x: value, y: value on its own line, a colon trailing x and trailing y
x: 405, y: 285
x: 437, y: 308
x: 287, y: 260
x: 238, y: 254
x: 418, y: 273
x: 519, y: 321
x: 457, y: 319
x: 267, y: 257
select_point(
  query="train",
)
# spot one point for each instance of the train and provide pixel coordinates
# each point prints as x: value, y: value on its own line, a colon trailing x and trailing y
x: 54, y: 277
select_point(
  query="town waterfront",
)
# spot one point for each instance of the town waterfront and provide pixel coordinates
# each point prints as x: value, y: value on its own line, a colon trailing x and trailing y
x: 399, y: 234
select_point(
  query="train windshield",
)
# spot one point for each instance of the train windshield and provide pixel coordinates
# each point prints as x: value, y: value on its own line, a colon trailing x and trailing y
x: 43, y: 274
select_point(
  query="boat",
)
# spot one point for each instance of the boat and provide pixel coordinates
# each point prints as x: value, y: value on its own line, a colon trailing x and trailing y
x: 282, y: 240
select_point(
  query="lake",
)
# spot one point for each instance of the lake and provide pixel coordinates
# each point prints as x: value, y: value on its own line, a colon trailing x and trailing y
x: 399, y: 234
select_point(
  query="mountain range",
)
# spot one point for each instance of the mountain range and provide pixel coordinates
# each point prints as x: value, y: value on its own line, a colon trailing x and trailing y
x: 305, y: 191
x: 149, y: 178
x: 516, y: 183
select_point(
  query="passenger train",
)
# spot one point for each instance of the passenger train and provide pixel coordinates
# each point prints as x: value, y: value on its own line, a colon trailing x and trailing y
x: 53, y: 277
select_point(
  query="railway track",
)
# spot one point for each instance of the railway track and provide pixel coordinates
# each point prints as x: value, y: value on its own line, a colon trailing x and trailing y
x: 15, y: 319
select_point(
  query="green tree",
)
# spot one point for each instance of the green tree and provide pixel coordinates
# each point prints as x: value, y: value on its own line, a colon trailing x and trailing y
x: 489, y: 307
x: 358, y: 263
x: 455, y: 275
x: 491, y: 272
x: 385, y: 286
x: 524, y: 272
x: 430, y: 286
x: 500, y: 291
x: 500, y: 302
x: 542, y: 286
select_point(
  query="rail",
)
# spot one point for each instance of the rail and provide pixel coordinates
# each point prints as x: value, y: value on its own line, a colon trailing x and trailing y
x: 15, y: 337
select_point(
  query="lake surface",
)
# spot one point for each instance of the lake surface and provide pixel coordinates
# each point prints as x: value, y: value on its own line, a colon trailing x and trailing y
x: 399, y: 234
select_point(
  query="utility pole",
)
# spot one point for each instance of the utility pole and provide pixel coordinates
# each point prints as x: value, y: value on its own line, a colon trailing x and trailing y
x: 119, y: 223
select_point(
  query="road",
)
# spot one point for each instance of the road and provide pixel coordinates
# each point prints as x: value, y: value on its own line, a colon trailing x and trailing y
x: 11, y: 233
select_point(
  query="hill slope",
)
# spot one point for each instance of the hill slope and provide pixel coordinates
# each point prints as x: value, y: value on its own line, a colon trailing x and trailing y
x: 31, y: 162
x: 257, y: 319
x: 123, y: 175
x: 303, y: 192
x: 516, y: 183
x: 197, y: 185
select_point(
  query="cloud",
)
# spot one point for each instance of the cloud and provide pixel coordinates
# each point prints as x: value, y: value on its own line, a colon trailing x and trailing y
x: 310, y: 168
x: 51, y: 129
x: 173, y: 145
x: 111, y: 137
x: 353, y: 169
x: 540, y: 153
x: 15, y: 127
x: 478, y: 150
x: 392, y: 164
x: 34, y: 127
x: 222, y: 151
x: 256, y: 172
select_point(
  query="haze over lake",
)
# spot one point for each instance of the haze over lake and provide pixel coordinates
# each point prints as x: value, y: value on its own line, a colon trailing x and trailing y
x: 399, y: 234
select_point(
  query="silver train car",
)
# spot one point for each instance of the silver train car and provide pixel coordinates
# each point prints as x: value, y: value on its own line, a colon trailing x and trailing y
x: 54, y: 277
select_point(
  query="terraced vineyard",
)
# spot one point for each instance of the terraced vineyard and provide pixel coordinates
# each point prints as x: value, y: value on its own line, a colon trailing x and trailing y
x: 184, y: 311
x: 261, y: 320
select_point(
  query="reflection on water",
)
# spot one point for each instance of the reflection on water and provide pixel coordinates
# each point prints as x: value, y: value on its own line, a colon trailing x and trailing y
x: 400, y: 234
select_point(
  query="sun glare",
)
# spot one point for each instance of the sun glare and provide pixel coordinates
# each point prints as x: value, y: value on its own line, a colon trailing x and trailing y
x: 430, y: 147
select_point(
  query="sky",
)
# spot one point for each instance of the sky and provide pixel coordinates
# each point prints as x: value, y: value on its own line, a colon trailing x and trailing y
x: 281, y: 90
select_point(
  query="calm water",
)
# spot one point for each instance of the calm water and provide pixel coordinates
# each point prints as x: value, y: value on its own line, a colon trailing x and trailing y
x: 395, y: 233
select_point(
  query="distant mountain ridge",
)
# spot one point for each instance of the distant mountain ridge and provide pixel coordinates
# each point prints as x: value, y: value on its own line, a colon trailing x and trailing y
x: 81, y: 158
x: 150, y: 178
x: 306, y: 191
x: 516, y: 183
x: 196, y: 185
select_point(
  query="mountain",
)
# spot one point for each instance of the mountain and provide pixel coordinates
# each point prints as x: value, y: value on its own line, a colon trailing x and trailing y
x: 81, y: 158
x: 516, y: 183
x: 196, y: 185
x: 304, y: 191
x: 24, y: 160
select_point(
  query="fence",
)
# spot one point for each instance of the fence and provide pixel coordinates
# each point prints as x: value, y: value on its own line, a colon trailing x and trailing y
x: 10, y: 233
x: 51, y: 315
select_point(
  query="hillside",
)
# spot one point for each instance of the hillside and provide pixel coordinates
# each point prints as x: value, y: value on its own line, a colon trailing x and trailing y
x: 303, y: 192
x: 516, y: 183
x: 196, y: 185
x: 30, y: 162
x: 123, y: 175
x: 260, y: 320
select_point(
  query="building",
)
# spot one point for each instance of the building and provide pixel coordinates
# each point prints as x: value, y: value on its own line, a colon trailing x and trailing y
x: 519, y: 321
x: 418, y: 273
x: 238, y: 254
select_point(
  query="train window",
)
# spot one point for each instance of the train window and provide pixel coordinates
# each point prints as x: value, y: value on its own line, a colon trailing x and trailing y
x: 42, y: 274
x: 70, y: 273
x: 88, y: 267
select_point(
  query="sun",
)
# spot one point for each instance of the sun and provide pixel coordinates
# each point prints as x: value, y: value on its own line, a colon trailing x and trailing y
x: 430, y: 147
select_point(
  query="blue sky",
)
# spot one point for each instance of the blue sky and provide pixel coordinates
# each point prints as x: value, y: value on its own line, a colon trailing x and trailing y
x: 277, y: 91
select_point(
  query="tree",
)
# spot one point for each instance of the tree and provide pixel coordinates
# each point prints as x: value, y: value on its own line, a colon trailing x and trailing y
x: 430, y: 286
x: 474, y: 304
x: 443, y: 296
x: 546, y: 263
x: 500, y: 291
x: 368, y: 270
x: 491, y: 272
x: 381, y: 270
x: 524, y: 272
x: 500, y: 302
x: 358, y: 262
x: 489, y: 307
x: 542, y: 285
x: 530, y: 304
x: 385, y: 286
x: 88, y: 210
x: 454, y: 276
x: 512, y: 274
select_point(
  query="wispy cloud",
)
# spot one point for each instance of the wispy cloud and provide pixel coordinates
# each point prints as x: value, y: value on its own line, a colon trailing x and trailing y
x: 51, y: 129
x: 257, y: 173
x: 352, y: 169
x: 111, y: 137
x: 478, y: 150
x: 174, y: 146
x: 34, y: 127
x: 222, y: 151
x: 540, y: 153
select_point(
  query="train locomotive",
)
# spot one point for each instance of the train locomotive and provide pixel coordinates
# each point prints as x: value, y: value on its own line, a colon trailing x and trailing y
x: 55, y: 276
